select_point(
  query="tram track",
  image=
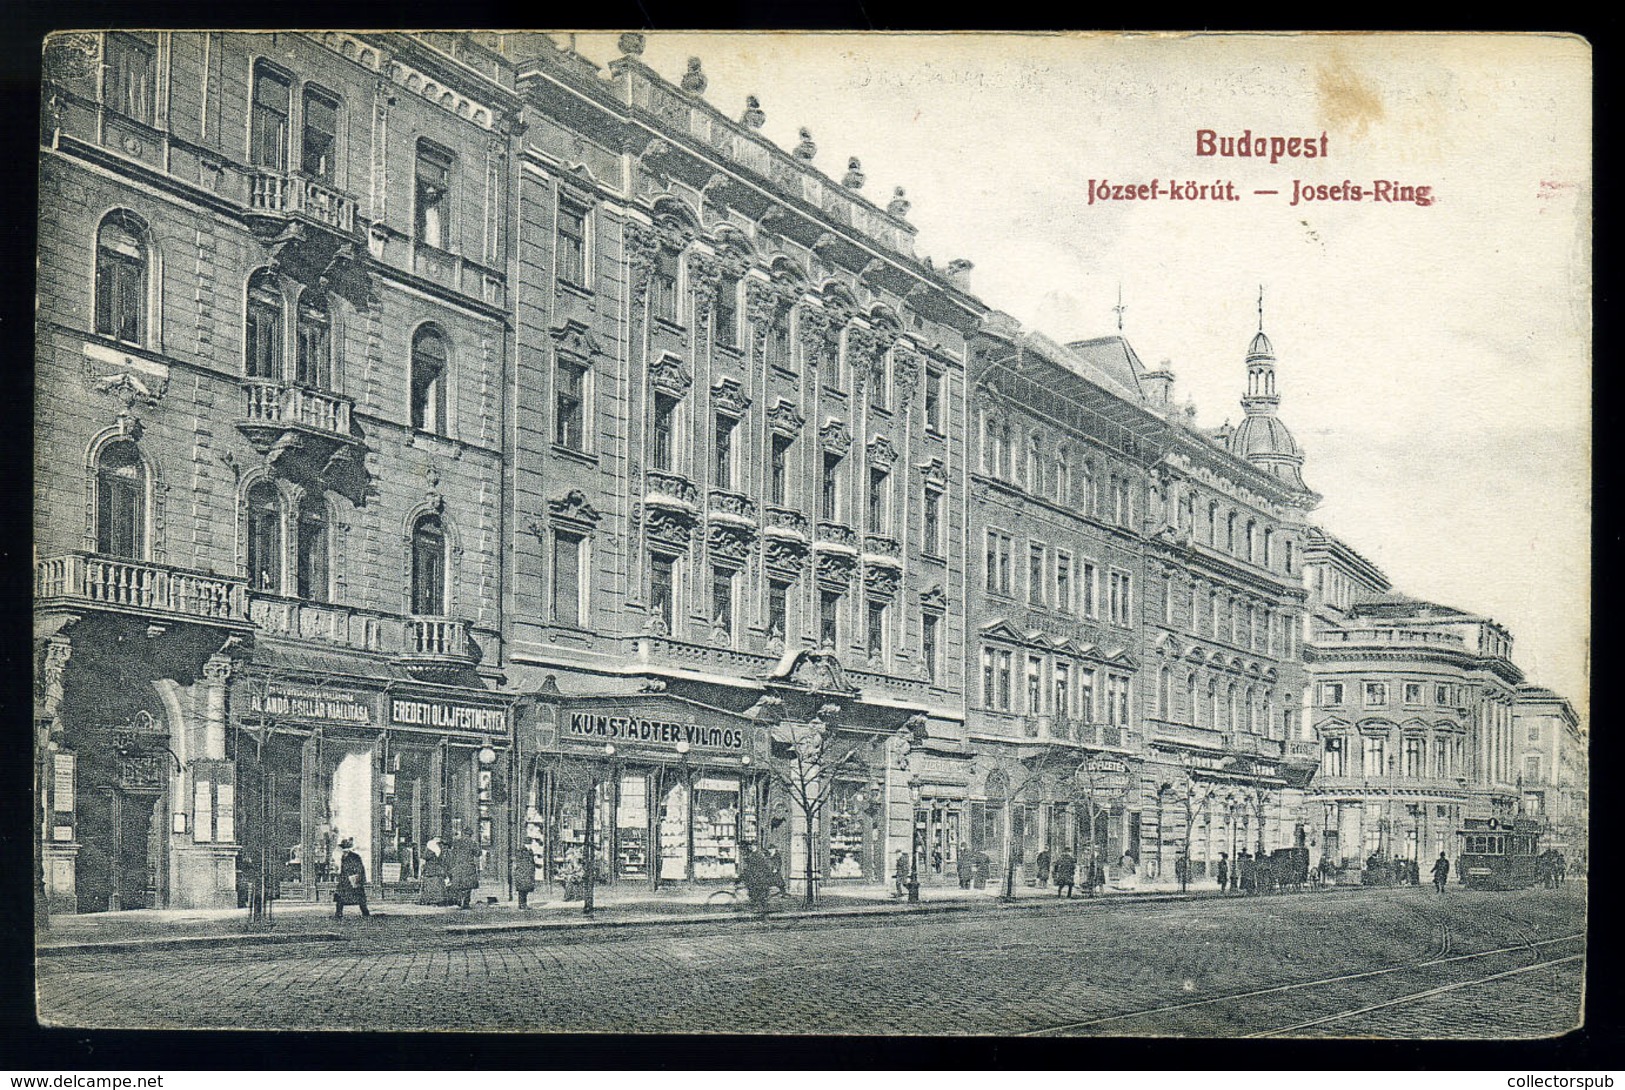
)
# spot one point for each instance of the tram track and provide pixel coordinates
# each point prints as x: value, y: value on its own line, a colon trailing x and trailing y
x: 1443, y: 958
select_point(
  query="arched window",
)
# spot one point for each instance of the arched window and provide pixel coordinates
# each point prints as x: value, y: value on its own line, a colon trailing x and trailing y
x: 315, y: 362
x: 1190, y: 697
x: 1063, y: 475
x: 1269, y: 547
x: 1212, y: 703
x: 265, y: 538
x: 1164, y: 693
x: 428, y: 567
x: 1086, y: 497
x: 429, y: 359
x: 1035, y: 470
x: 1230, y: 533
x: 313, y: 578
x: 121, y: 502
x: 1230, y: 708
x: 264, y: 334
x: 122, y: 261
x: 1251, y: 712
x: 1252, y: 533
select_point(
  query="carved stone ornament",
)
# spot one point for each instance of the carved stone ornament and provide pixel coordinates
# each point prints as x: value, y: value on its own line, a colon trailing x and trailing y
x: 644, y: 243
x: 670, y: 526
x: 575, y: 339
x: 899, y: 204
x: 764, y: 301
x: 906, y: 367
x: 881, y: 582
x: 670, y: 375
x: 882, y: 454
x: 834, y: 570
x: 785, y: 556
x: 704, y: 274
x: 935, y: 474
x: 132, y: 390
x: 834, y: 437
x: 574, y: 509
x: 934, y: 598
x: 728, y: 397
x: 784, y: 419
x: 727, y: 541
x: 754, y: 116
x: 814, y: 324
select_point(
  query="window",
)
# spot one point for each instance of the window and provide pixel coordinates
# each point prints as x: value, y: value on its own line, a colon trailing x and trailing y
x: 265, y: 538
x: 1414, y: 756
x: 1531, y: 769
x: 1119, y: 606
x: 829, y: 492
x: 1230, y: 533
x: 1063, y: 689
x: 1063, y: 581
x: 1334, y: 762
x: 931, y: 523
x: 1252, y: 534
x: 877, y: 500
x: 989, y: 678
x: 1213, y: 524
x: 1035, y: 575
x: 725, y: 315
x: 723, y: 468
x: 1165, y: 693
x: 312, y: 560
x: 428, y: 567
x: 1000, y: 548
x: 1190, y: 697
x: 722, y: 601
x: 1376, y: 755
x: 262, y: 340
x: 1035, y: 685
x: 314, y: 362
x: 1086, y: 695
x: 933, y: 400
x: 1230, y: 708
x: 121, y: 279
x: 778, y: 471
x: 1331, y: 692
x: 1413, y: 692
x: 433, y: 193
x: 268, y: 126
x: 1441, y: 758
x: 572, y: 253
x: 1086, y: 501
x: 1035, y: 472
x: 1213, y: 609
x: 1376, y: 693
x: 662, y: 589
x: 429, y: 366
x: 929, y: 650
x: 665, y: 419
x: 776, y: 345
x: 1063, y: 477
x: 1289, y: 560
x: 121, y: 502
x: 1005, y: 662
x: 569, y: 401
x: 1534, y: 731
x: 1441, y: 695
x: 663, y: 286
x: 1212, y: 708
x: 1268, y: 559
x: 778, y: 610
x: 318, y: 146
x: 829, y: 605
x: 130, y: 77
x: 875, y: 628
x: 567, y: 582
x: 1252, y: 627
x: 1091, y: 590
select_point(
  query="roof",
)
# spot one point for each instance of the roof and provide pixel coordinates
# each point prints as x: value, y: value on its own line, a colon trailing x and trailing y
x: 1396, y: 605
x: 1260, y: 348
x: 1114, y: 358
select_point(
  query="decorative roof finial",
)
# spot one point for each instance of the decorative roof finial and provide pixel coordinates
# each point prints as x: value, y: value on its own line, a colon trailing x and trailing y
x: 806, y: 149
x: 854, y: 175
x: 694, y: 81
x: 1119, y: 308
x: 1261, y: 308
x: 899, y: 205
x: 754, y: 117
x: 630, y: 45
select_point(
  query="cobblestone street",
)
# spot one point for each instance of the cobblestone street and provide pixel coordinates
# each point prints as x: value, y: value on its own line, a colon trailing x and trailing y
x: 1391, y: 963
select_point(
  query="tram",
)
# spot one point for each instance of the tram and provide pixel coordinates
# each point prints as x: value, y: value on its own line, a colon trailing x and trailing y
x: 1500, y: 854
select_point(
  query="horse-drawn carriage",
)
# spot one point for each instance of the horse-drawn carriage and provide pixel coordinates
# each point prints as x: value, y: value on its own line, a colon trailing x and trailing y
x: 1283, y: 869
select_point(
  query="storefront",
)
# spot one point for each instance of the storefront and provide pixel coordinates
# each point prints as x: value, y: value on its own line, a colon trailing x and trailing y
x: 388, y: 768
x: 671, y: 791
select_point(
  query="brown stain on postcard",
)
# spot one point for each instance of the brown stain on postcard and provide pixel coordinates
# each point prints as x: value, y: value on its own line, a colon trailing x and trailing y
x: 1347, y: 100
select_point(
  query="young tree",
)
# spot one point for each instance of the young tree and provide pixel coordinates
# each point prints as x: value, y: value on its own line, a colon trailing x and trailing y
x: 806, y: 758
x: 1013, y: 779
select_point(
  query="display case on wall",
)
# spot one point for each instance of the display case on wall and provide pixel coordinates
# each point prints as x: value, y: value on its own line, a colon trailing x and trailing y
x: 716, y: 828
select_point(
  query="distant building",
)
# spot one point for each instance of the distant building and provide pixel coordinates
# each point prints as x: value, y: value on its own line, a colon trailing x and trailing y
x: 1553, y: 769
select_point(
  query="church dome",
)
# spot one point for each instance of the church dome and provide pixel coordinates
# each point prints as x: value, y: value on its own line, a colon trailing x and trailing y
x: 1266, y: 442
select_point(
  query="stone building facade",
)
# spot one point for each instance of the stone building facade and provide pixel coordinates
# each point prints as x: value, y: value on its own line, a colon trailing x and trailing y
x: 1554, y: 769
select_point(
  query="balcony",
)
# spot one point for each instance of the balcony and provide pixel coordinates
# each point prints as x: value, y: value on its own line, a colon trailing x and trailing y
x: 1298, y: 750
x: 1398, y: 786
x: 667, y: 489
x: 344, y: 626
x: 881, y: 546
x: 437, y: 648
x: 83, y: 580
x: 272, y: 193
x: 785, y: 521
x: 734, y: 505
x: 834, y: 533
x: 304, y: 433
x: 277, y: 404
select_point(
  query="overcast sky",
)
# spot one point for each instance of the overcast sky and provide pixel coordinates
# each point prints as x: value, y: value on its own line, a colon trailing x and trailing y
x: 1433, y: 361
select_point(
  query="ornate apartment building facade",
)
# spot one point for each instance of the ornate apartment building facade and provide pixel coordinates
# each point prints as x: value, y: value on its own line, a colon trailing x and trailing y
x: 1554, y: 768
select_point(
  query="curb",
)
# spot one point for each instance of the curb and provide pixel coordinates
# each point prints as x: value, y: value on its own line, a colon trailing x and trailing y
x: 189, y: 942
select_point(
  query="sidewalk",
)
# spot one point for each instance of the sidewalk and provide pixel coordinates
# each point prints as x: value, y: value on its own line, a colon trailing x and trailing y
x: 613, y: 908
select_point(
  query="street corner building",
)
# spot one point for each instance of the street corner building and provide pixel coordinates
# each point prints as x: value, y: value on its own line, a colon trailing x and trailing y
x: 441, y: 437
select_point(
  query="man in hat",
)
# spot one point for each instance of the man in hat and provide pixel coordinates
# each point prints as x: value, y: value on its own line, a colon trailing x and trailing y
x: 352, y: 888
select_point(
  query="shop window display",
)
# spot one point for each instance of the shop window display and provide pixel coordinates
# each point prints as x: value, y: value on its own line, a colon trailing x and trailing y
x: 632, y: 828
x: 674, y: 833
x: 848, y: 831
x: 716, y: 828
x: 408, y: 820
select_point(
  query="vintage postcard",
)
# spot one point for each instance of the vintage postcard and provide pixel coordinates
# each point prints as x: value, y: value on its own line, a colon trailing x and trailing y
x: 1004, y: 534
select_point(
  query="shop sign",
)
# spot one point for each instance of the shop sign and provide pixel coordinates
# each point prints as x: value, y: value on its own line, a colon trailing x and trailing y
x: 62, y: 791
x: 322, y: 705
x: 1107, y: 775
x: 590, y: 726
x: 442, y: 716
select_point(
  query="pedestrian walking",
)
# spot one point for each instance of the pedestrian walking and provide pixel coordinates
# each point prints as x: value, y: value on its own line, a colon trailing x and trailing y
x: 758, y: 878
x: 1043, y: 865
x: 1222, y: 871
x: 983, y: 865
x: 464, y: 869
x: 571, y: 874
x: 432, y: 888
x: 900, y: 875
x: 1062, y: 870
x: 1246, y: 873
x: 1182, y: 871
x: 1441, y: 872
x: 965, y: 866
x: 524, y: 874
x: 352, y: 888
x: 775, y: 869
x: 936, y: 860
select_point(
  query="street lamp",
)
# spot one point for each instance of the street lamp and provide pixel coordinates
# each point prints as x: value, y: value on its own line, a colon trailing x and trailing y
x: 1230, y: 805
